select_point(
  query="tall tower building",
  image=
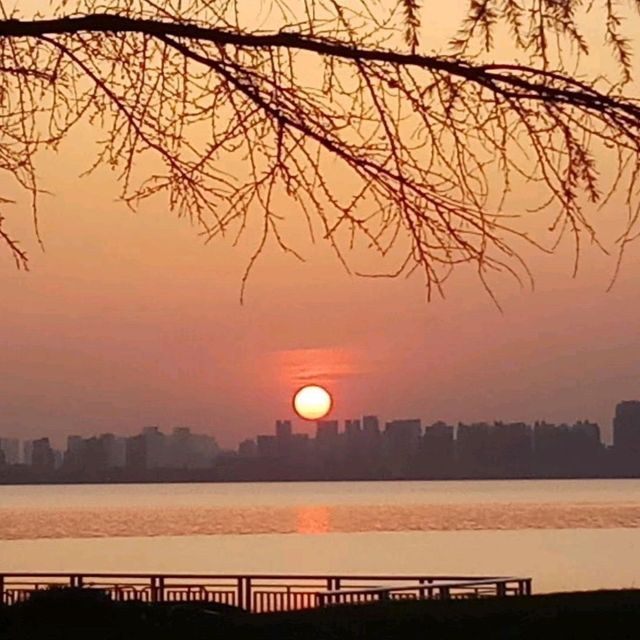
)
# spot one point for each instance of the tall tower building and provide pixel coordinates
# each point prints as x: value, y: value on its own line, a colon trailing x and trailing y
x: 626, y: 433
x: 371, y: 424
x: 283, y: 429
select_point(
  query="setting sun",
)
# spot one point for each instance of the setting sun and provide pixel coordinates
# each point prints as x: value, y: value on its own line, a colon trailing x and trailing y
x: 312, y: 402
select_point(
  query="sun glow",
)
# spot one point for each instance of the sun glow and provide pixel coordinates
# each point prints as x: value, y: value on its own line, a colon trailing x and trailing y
x: 312, y: 402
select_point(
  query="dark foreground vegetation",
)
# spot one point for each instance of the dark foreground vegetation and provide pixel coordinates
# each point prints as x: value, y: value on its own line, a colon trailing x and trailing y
x: 74, y: 614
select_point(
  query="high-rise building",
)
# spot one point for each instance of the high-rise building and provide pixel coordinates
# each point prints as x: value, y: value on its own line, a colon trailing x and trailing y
x: 626, y: 434
x: 403, y: 435
x: 247, y: 448
x: 114, y: 450
x: 626, y: 426
x: 10, y: 447
x: 473, y: 449
x: 352, y: 427
x: 136, y: 453
x: 327, y: 445
x: 438, y: 448
x: 401, y: 444
x: 370, y: 425
x: 326, y: 431
x: 42, y: 455
x: 27, y: 450
x: 74, y: 453
x: 284, y: 435
x: 283, y: 429
x: 267, y: 446
x: 156, y: 447
x: 187, y: 450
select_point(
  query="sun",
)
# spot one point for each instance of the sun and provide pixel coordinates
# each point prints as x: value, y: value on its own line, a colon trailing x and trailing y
x: 312, y: 402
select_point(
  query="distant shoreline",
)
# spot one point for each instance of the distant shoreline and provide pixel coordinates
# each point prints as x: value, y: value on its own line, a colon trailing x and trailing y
x: 58, y: 481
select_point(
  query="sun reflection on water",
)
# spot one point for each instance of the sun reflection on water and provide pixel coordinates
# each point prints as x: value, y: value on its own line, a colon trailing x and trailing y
x: 315, y: 519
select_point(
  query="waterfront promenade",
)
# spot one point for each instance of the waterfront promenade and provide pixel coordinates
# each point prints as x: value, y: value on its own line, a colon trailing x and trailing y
x: 267, y: 593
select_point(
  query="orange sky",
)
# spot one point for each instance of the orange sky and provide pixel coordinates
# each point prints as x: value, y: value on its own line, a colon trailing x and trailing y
x: 128, y: 320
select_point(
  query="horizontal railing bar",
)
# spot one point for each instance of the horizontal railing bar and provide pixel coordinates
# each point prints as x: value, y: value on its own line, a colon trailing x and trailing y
x: 234, y: 576
x: 422, y: 587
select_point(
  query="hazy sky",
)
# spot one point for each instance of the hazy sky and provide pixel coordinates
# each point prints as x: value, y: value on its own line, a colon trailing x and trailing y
x: 128, y: 320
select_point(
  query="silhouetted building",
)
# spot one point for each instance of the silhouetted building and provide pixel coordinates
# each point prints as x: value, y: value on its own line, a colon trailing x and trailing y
x: 267, y: 446
x: 247, y: 448
x: 588, y: 450
x: 136, y: 453
x: 42, y: 456
x: 401, y: 446
x: 494, y: 450
x: 437, y: 451
x: 300, y: 447
x: 90, y: 456
x: 566, y: 451
x: 10, y: 447
x: 284, y: 435
x: 186, y: 450
x: 283, y: 429
x: 27, y: 450
x: 512, y: 449
x: 114, y: 450
x: 327, y: 449
x: 156, y: 448
x: 370, y: 425
x: 352, y: 428
x: 353, y: 440
x: 626, y: 435
x: 327, y: 431
x: 474, y: 457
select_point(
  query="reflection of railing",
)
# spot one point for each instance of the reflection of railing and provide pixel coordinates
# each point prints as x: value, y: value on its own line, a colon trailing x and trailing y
x: 264, y: 593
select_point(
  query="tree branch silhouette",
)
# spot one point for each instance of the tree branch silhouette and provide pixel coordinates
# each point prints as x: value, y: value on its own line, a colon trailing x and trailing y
x: 335, y: 108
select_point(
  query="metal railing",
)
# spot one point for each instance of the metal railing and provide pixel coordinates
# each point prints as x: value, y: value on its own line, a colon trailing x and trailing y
x: 430, y: 589
x: 265, y: 593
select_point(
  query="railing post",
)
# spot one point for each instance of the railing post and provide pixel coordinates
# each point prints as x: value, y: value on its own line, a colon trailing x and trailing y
x: 429, y: 582
x: 501, y: 589
x: 330, y: 588
x: 160, y: 589
x: 240, y: 592
x: 75, y: 580
x: 248, y: 597
x: 445, y: 594
x: 2, y: 590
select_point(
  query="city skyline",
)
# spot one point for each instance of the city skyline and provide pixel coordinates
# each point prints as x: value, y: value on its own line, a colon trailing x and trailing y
x: 356, y: 448
x: 307, y: 426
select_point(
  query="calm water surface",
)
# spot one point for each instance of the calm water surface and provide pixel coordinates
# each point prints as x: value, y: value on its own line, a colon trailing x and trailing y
x: 565, y: 534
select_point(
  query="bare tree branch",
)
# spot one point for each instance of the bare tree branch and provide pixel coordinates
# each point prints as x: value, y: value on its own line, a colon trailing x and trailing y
x: 407, y: 152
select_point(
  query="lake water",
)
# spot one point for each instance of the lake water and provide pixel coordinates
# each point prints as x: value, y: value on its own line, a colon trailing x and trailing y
x: 581, y: 534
